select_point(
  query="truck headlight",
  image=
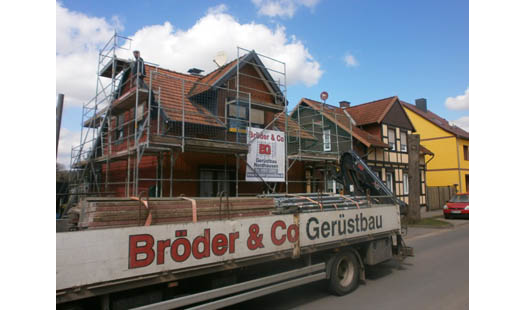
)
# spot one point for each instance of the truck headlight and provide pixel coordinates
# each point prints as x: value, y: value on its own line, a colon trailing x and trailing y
x: 445, y: 207
x: 467, y: 207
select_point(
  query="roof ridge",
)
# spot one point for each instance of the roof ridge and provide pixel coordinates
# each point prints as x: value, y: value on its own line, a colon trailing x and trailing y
x: 365, y: 103
x: 173, y: 71
x: 430, y: 116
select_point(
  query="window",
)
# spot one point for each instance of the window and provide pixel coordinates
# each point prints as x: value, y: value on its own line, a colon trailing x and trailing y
x: 405, y: 181
x: 237, y: 111
x: 327, y: 140
x: 119, y: 132
x: 389, y: 181
x: 238, y: 116
x: 257, y: 118
x: 333, y: 186
x: 213, y: 181
x: 466, y: 152
x: 140, y: 111
x: 403, y: 141
x: 391, y: 139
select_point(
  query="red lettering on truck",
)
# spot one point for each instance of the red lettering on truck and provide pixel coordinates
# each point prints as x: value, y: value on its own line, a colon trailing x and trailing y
x: 291, y: 233
x: 135, y: 250
x: 142, y: 247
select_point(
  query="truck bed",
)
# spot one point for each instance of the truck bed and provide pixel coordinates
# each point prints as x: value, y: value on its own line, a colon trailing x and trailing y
x: 95, y: 258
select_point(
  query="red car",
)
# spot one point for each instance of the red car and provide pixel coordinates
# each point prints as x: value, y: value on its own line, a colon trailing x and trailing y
x: 457, y: 206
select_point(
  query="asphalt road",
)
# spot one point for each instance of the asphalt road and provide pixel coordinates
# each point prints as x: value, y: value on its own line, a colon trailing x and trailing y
x: 436, y: 278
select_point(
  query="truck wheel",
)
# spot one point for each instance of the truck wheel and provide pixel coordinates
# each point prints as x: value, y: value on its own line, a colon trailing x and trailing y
x: 345, y: 272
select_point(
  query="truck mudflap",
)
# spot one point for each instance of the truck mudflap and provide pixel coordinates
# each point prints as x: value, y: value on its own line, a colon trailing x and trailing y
x: 401, y: 250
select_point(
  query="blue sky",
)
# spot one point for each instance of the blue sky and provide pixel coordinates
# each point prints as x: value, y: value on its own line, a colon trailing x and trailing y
x: 411, y: 49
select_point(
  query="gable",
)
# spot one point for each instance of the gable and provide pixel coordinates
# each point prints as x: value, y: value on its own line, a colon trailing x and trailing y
x: 425, y: 128
x: 396, y: 116
x: 436, y: 120
x: 255, y: 67
x: 254, y: 83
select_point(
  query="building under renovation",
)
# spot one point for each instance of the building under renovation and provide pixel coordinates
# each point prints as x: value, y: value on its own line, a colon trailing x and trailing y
x: 156, y: 132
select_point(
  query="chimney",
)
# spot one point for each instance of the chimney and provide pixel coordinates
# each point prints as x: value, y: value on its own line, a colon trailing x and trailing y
x: 422, y: 104
x: 345, y: 104
x: 195, y: 71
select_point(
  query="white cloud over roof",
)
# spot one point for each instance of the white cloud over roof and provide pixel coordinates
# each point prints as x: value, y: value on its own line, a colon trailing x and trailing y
x: 460, y: 102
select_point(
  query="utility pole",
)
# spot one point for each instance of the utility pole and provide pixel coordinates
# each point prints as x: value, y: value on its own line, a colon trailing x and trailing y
x: 414, y: 178
x: 59, y: 108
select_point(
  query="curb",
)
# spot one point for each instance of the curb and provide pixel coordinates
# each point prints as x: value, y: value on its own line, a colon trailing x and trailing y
x: 449, y: 225
x: 434, y: 230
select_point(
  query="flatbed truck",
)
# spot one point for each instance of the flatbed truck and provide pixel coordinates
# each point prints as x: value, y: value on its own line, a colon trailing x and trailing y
x: 218, y: 263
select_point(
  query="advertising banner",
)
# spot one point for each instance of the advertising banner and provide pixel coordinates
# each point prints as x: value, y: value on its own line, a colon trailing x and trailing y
x: 266, y: 156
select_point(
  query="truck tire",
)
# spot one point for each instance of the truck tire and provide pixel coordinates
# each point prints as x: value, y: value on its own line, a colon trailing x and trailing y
x: 345, y: 272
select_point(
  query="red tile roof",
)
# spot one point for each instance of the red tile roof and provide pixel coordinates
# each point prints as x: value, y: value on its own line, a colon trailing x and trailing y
x: 371, y: 112
x: 173, y: 101
x: 437, y: 120
x: 337, y: 116
x: 205, y: 82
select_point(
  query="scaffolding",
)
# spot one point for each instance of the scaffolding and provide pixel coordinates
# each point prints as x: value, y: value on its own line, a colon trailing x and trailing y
x: 95, y: 114
x: 172, y: 133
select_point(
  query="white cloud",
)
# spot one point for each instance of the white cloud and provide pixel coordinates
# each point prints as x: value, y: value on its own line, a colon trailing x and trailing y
x: 180, y: 50
x: 461, y: 102
x: 282, y: 8
x: 350, y: 60
x: 462, y: 122
x: 68, y: 139
x: 78, y: 39
x: 221, y: 8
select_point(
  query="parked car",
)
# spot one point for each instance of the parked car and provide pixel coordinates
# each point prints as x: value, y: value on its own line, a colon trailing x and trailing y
x: 457, y: 206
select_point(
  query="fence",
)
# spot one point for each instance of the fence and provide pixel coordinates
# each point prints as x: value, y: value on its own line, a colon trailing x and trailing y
x: 437, y: 196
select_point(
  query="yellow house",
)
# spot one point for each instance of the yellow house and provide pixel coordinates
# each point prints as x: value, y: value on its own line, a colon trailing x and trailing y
x: 449, y: 143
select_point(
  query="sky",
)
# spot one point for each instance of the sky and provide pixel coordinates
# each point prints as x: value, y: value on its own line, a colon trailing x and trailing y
x: 356, y: 50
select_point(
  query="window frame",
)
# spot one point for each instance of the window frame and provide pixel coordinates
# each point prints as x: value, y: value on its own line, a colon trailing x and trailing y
x: 465, y: 150
x: 328, y: 142
x: 392, y: 145
x: 404, y: 147
x: 392, y: 187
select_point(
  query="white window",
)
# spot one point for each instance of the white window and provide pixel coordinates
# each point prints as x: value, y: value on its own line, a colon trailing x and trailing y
x: 389, y: 181
x: 140, y: 111
x: 333, y: 186
x: 403, y: 141
x: 119, y: 128
x: 391, y: 139
x: 327, y: 140
x: 405, y: 181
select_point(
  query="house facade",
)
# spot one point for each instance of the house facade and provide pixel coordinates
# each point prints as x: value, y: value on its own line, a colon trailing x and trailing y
x: 450, y: 145
x: 377, y: 131
x: 186, y: 134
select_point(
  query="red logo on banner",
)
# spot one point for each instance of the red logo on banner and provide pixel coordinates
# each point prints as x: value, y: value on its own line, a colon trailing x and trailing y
x: 264, y: 149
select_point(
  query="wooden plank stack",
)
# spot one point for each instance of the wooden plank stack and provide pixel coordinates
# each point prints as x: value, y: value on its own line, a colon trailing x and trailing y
x: 96, y: 213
